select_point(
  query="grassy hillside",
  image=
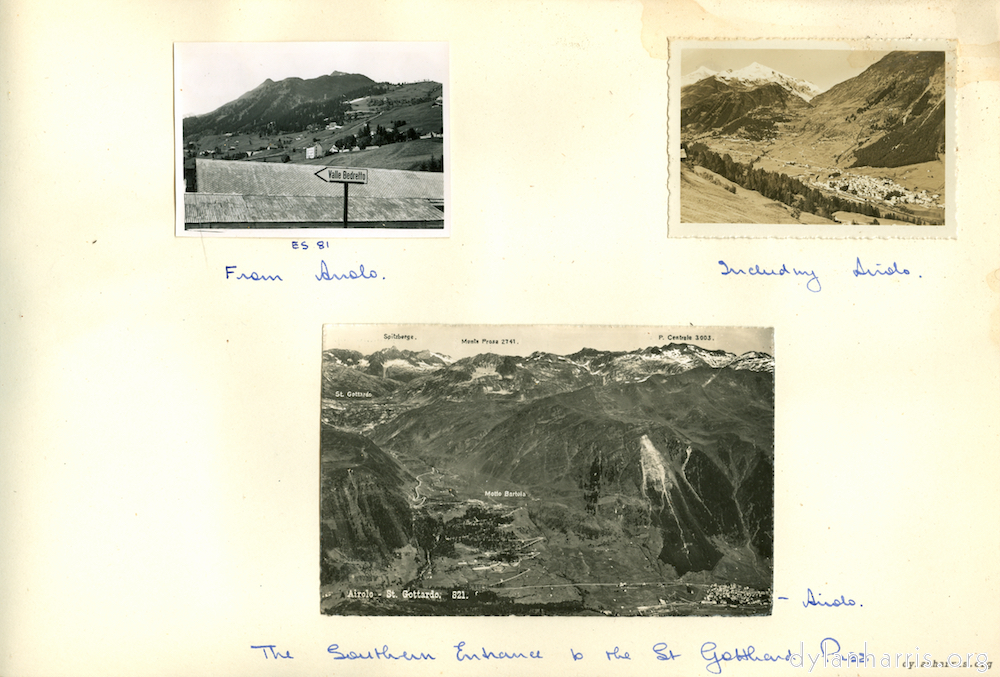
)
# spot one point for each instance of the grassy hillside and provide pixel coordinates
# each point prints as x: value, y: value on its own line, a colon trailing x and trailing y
x: 861, y: 219
x: 423, y: 117
x: 706, y: 199
x: 407, y: 155
x: 413, y: 90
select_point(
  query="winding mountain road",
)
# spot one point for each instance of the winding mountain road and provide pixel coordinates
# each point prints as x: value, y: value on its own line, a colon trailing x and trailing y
x: 419, y: 500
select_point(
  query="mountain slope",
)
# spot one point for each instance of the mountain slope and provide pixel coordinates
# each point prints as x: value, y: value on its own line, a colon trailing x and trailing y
x: 890, y: 115
x: 364, y: 511
x: 635, y: 443
x: 704, y: 200
x: 276, y: 102
x: 755, y: 109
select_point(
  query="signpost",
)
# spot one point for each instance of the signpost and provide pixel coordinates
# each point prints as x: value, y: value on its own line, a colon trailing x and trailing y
x: 344, y: 175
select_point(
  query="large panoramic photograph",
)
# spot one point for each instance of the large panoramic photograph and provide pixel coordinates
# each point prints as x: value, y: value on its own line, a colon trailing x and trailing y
x: 324, y: 139
x: 814, y: 137
x: 566, y: 471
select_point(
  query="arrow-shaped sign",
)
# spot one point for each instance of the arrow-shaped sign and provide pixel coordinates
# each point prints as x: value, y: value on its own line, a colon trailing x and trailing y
x: 342, y: 175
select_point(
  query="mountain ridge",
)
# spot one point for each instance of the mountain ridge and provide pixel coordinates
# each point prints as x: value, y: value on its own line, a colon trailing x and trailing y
x: 419, y: 374
x: 287, y: 104
x: 889, y: 115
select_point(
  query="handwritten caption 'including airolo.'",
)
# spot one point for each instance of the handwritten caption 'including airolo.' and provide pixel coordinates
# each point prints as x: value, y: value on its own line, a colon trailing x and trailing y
x: 810, y: 276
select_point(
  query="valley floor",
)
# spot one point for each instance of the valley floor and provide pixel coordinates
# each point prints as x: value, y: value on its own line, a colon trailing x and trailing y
x: 920, y: 187
x: 532, y: 556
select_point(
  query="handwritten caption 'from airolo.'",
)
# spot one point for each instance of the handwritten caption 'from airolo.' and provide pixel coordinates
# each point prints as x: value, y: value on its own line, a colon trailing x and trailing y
x: 324, y: 275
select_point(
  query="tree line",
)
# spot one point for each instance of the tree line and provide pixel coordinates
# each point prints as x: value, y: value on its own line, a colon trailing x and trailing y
x: 382, y: 136
x: 435, y: 164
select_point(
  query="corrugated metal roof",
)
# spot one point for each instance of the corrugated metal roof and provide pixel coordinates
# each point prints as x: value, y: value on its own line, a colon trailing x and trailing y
x: 208, y: 208
x: 273, y: 179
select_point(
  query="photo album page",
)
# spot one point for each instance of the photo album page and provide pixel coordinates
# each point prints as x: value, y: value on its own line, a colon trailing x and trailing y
x: 527, y: 337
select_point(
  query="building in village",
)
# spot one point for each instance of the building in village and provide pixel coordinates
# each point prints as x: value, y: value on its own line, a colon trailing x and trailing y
x: 314, y: 151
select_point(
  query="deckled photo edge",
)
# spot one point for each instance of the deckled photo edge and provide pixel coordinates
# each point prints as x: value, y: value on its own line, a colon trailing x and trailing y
x: 678, y: 228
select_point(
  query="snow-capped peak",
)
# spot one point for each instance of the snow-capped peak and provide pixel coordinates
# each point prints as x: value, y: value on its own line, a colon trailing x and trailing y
x: 757, y: 74
x: 697, y: 76
x: 753, y: 361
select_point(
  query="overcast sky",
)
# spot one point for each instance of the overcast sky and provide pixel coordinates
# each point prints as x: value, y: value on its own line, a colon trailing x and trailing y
x: 208, y: 75
x: 822, y: 67
x: 563, y: 340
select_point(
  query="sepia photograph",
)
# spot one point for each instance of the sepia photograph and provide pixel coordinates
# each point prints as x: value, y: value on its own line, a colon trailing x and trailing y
x: 812, y: 137
x: 556, y: 471
x: 314, y: 139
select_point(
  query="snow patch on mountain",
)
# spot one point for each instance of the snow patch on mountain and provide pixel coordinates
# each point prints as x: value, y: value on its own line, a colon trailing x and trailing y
x: 753, y: 361
x: 757, y: 74
x: 697, y: 76
x: 483, y: 372
x: 406, y: 365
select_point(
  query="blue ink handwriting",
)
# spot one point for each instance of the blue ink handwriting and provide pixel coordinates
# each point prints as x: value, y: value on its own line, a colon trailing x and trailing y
x: 360, y: 274
x: 810, y: 600
x: 812, y: 284
x: 274, y: 652
x: 384, y: 652
x: 256, y: 277
x: 577, y: 655
x: 618, y: 656
x: 460, y: 654
x: 830, y: 653
x: 660, y: 649
x: 860, y: 270
x: 714, y: 659
x: 321, y: 244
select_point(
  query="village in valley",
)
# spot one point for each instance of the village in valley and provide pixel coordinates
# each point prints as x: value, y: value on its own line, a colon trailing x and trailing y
x: 877, y: 188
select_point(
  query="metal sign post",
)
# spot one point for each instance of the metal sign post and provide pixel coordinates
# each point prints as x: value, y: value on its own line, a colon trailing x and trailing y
x: 344, y: 175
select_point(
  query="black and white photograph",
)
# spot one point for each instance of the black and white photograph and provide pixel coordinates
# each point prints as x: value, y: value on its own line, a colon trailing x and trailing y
x: 546, y: 470
x: 814, y: 138
x: 325, y: 139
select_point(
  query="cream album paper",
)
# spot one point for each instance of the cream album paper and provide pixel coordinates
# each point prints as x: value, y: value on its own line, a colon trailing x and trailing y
x: 564, y: 341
